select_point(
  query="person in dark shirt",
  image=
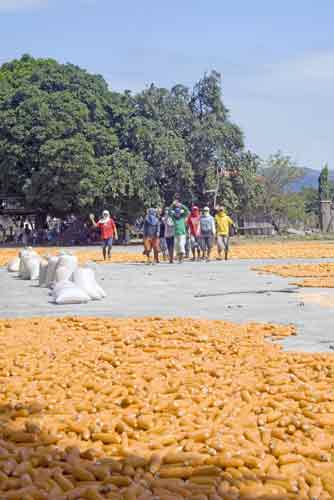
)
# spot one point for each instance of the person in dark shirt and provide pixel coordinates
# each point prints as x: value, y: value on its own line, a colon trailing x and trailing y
x: 151, y: 235
x: 162, y: 238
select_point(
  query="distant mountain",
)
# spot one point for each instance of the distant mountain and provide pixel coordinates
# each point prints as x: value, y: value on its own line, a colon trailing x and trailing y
x: 308, y: 179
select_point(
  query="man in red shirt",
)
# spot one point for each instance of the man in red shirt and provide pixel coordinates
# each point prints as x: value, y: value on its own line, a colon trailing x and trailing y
x: 193, y: 223
x: 108, y: 231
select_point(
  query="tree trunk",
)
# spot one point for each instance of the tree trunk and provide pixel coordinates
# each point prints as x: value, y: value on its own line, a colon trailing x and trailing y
x: 326, y: 216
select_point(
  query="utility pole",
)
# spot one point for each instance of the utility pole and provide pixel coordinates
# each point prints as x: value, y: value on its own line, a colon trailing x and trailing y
x: 219, y: 174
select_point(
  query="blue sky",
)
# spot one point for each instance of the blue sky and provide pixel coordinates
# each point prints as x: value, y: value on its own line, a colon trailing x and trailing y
x: 276, y: 58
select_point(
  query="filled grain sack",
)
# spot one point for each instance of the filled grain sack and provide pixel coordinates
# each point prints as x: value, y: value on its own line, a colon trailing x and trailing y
x: 58, y: 286
x: 51, y: 271
x: 66, y: 265
x: 27, y: 251
x: 24, y: 271
x: 69, y: 293
x: 32, y: 264
x: 14, y: 265
x: 43, y: 267
x: 62, y: 273
x: 22, y: 255
x: 21, y: 266
x: 84, y: 277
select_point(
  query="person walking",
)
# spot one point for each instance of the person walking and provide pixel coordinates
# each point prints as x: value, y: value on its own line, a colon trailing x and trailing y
x: 208, y: 231
x: 151, y: 235
x: 193, y: 223
x: 162, y: 237
x: 169, y: 233
x: 180, y: 214
x: 223, y: 224
x: 26, y: 234
x: 108, y: 232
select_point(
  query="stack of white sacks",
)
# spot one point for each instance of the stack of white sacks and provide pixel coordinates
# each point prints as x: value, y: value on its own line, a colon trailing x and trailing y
x: 69, y: 283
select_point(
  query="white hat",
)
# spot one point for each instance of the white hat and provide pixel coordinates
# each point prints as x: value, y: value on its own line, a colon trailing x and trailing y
x: 206, y: 209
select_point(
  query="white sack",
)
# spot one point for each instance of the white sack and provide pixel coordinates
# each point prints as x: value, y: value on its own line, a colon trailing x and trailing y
x: 59, y: 286
x: 51, y: 271
x: 32, y: 267
x: 27, y: 251
x: 21, y: 266
x: 71, y: 295
x: 63, y: 273
x: 25, y: 269
x: 67, y: 265
x: 100, y: 291
x: 43, y: 267
x: 84, y: 277
x: 14, y: 265
x: 68, y: 260
x: 24, y: 255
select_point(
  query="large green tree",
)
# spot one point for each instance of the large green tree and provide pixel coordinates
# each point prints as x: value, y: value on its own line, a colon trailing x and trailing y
x: 70, y: 144
x: 192, y: 146
x: 58, y: 145
x: 274, y: 198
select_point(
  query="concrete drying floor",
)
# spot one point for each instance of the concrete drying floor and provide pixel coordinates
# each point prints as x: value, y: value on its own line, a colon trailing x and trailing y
x: 215, y: 290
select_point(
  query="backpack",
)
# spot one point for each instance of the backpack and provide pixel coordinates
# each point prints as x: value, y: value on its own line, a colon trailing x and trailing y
x: 169, y: 221
x: 206, y: 226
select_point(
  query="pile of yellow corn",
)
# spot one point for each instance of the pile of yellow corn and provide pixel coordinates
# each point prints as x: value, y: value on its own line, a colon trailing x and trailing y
x: 315, y: 275
x: 282, y: 250
x: 162, y: 409
x: 84, y: 255
x: 245, y: 250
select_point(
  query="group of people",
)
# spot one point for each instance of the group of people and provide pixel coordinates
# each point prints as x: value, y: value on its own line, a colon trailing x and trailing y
x: 27, y: 231
x: 177, y: 230
x: 173, y: 232
x: 18, y: 232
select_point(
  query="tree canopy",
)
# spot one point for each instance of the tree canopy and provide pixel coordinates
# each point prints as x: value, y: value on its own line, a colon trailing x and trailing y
x: 277, y: 201
x: 70, y: 144
x: 325, y: 185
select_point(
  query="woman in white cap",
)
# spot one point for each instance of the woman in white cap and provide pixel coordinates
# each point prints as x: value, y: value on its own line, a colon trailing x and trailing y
x: 207, y: 232
x: 108, y: 231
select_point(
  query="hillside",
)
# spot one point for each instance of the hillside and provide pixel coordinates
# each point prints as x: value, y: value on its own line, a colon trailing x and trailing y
x: 308, y: 179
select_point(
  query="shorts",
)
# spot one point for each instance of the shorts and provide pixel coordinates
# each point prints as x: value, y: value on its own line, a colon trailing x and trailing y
x: 195, y: 242
x: 107, y: 243
x: 151, y: 244
x: 180, y: 244
x: 207, y: 242
x: 223, y: 242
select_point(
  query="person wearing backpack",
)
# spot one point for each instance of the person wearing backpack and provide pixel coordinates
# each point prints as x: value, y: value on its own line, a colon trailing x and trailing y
x: 207, y: 232
x: 151, y: 235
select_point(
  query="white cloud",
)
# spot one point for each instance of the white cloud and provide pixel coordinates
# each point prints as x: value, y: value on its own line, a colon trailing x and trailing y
x: 309, y: 74
x: 287, y: 105
x: 316, y: 66
x: 10, y: 5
